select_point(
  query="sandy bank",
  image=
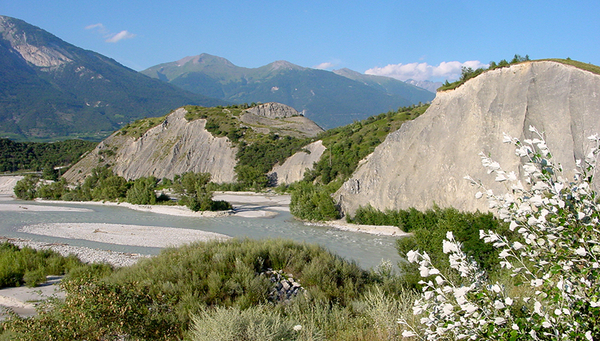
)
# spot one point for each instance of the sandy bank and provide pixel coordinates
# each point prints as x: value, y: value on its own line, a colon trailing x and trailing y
x: 85, y: 254
x: 121, y: 234
x: 8, y: 183
x: 371, y: 229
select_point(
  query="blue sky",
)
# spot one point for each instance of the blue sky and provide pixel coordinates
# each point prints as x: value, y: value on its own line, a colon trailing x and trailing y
x: 404, y: 39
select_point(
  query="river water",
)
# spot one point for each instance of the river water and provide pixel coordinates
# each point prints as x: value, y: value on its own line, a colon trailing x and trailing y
x: 367, y: 250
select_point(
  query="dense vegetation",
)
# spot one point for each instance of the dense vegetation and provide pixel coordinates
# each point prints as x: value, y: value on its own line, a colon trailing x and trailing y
x: 103, y: 185
x: 30, y: 267
x: 257, y: 152
x: 346, y: 146
x: 34, y: 156
x: 158, y: 298
x: 429, y: 230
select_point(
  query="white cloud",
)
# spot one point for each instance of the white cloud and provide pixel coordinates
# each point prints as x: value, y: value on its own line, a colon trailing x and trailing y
x: 422, y: 71
x: 120, y: 36
x: 99, y: 26
x: 108, y: 36
x: 323, y: 66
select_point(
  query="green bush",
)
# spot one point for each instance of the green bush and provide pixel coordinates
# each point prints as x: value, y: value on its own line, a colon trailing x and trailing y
x: 27, y: 266
x: 313, y: 202
x: 26, y: 188
x: 142, y: 192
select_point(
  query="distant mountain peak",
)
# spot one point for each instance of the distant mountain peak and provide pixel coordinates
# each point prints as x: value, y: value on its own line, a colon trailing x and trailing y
x: 204, y: 58
x: 284, y: 65
x: 27, y: 44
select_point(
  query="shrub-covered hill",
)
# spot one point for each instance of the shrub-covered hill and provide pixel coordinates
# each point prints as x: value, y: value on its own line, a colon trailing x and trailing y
x: 234, y: 143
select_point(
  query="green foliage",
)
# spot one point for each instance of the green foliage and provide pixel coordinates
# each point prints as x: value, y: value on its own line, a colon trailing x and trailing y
x: 313, y: 202
x: 142, y: 192
x: 137, y: 128
x: 154, y: 299
x: 27, y: 187
x: 97, y: 310
x: 257, y: 323
x: 429, y: 230
x: 195, y: 194
x: 259, y: 157
x: 347, y: 145
x: 53, y: 191
x: 27, y: 266
x: 468, y: 73
x: 17, y: 156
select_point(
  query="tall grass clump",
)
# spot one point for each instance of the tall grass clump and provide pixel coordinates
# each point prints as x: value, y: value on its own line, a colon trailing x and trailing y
x: 26, y: 266
x: 554, y: 259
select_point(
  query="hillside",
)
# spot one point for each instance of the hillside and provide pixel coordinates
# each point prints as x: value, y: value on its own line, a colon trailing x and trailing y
x: 199, y: 139
x: 52, y: 90
x: 329, y: 99
x: 423, y: 163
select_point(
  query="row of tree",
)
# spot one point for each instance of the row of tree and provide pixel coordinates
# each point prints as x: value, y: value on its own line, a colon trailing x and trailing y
x: 192, y: 189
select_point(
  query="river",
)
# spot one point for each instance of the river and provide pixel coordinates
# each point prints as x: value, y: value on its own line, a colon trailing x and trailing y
x: 366, y: 249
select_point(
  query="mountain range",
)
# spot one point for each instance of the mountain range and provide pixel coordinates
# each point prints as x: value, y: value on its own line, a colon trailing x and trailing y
x: 331, y: 99
x: 50, y: 89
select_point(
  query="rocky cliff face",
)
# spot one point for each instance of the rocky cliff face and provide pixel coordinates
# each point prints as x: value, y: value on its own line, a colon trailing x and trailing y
x: 295, y: 166
x: 281, y: 119
x: 423, y: 163
x: 174, y: 147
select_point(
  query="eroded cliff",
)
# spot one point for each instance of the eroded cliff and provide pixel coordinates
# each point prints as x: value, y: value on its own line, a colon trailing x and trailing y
x: 173, y: 147
x: 423, y: 163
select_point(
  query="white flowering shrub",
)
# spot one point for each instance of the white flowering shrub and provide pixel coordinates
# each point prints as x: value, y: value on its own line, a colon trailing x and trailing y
x: 555, y: 257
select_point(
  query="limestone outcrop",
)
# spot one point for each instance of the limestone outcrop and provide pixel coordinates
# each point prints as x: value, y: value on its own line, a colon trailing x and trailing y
x: 174, y: 147
x: 424, y: 162
x: 280, y: 119
x: 295, y: 166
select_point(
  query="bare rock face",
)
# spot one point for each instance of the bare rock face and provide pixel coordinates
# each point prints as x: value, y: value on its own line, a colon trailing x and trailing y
x: 295, y: 166
x: 274, y: 110
x: 41, y: 56
x: 280, y: 119
x: 174, y: 147
x: 424, y: 162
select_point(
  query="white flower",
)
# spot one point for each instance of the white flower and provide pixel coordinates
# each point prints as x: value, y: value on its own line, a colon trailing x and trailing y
x: 518, y: 246
x: 546, y: 324
x: 478, y: 195
x: 508, y: 301
x: 499, y: 320
x: 499, y: 305
x: 448, y: 247
x: 537, y: 308
x: 412, y: 256
x: 297, y: 327
x: 580, y: 251
x: 588, y: 336
x: 408, y: 333
x: 448, y: 309
x: 537, y: 282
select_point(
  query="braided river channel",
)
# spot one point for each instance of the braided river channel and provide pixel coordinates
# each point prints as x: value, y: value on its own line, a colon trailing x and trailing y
x: 366, y: 249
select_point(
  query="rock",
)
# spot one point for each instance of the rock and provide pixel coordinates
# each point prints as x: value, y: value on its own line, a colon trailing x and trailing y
x: 424, y: 162
x: 174, y: 147
x: 294, y: 167
x: 274, y: 110
x: 279, y: 119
